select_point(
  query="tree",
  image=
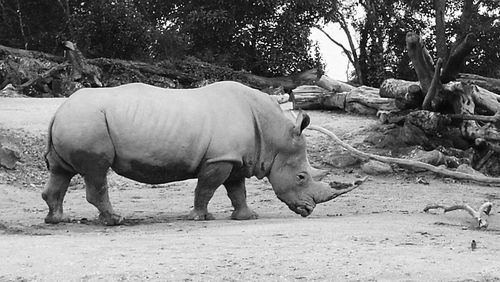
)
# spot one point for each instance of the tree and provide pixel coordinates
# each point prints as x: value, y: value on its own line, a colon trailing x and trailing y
x: 376, y: 48
x: 266, y: 37
x: 30, y: 24
x: 380, y: 28
x: 109, y: 28
x: 343, y: 16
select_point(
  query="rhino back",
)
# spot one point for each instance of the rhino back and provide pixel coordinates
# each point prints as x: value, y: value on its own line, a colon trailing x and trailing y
x: 161, y: 135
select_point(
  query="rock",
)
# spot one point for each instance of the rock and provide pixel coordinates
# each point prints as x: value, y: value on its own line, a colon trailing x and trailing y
x: 10, y: 91
x: 413, y: 135
x: 376, y: 168
x: 342, y: 159
x: 9, y: 156
x: 358, y: 108
x: 375, y: 138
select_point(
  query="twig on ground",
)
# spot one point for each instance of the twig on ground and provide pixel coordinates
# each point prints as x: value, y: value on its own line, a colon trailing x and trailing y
x: 411, y: 163
x: 484, y: 209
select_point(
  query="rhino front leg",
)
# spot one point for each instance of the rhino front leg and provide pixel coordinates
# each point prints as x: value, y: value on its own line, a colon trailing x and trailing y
x: 211, y: 176
x: 97, y: 195
x: 236, y: 191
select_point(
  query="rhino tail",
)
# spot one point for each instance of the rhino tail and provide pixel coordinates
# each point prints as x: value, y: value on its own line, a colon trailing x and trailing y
x: 49, y: 142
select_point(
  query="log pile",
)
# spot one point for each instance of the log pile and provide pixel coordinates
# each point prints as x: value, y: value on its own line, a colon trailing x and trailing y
x: 329, y: 94
x: 38, y: 74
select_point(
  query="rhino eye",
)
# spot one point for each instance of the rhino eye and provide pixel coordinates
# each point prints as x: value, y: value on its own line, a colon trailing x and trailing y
x: 301, y: 177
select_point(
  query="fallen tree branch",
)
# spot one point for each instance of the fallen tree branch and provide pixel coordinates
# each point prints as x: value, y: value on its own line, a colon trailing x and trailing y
x: 44, y: 75
x: 484, y: 209
x: 342, y: 186
x: 495, y: 118
x: 439, y: 170
x: 488, y: 83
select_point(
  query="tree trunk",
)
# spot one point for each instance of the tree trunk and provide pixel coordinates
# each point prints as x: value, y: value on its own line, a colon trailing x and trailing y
x: 397, y: 88
x: 442, y: 49
x: 421, y: 60
x: 287, y: 82
x: 407, y: 94
x: 362, y: 100
x: 309, y: 97
x: 469, y: 8
x: 333, y: 85
x: 457, y: 58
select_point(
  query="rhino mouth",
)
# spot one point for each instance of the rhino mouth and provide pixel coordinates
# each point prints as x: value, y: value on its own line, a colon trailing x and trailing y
x: 303, y: 210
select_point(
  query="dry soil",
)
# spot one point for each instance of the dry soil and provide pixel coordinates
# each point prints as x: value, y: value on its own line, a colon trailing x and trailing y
x: 377, y: 232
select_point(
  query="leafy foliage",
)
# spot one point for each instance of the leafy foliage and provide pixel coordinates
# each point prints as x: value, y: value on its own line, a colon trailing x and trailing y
x: 266, y: 37
x: 113, y: 29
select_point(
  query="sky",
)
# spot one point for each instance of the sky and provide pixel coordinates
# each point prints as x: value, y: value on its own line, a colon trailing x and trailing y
x: 333, y: 56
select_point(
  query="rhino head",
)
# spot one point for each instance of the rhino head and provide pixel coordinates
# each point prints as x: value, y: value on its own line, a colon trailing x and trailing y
x: 293, y: 179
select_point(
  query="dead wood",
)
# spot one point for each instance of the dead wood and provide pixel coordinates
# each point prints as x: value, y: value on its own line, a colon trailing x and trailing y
x: 457, y: 58
x: 490, y: 84
x: 479, y: 215
x: 8, y: 51
x: 463, y: 104
x: 370, y: 97
x: 287, y: 82
x: 432, y: 123
x: 309, y: 97
x: 407, y: 94
x: 420, y: 59
x: 141, y: 69
x: 486, y: 101
x: 494, y: 119
x: 333, y: 85
x: 404, y: 162
x: 362, y: 100
x: 397, y: 88
x: 36, y: 80
x: 433, y: 88
x: 484, y: 159
x: 342, y: 188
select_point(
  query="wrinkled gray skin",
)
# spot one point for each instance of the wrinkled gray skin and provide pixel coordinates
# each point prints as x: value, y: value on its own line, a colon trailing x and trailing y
x: 220, y: 134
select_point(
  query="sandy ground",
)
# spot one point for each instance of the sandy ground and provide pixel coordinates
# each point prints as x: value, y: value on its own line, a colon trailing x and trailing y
x: 377, y: 232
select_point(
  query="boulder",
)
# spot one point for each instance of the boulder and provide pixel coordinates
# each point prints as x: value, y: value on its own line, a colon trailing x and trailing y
x: 376, y: 168
x: 9, y: 156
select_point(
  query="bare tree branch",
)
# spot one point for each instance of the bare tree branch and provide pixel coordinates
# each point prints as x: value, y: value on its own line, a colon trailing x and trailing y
x: 409, y: 163
x: 434, y: 88
x: 478, y: 215
x: 346, y: 51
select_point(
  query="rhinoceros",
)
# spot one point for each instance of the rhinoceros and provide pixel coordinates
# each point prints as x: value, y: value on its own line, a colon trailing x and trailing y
x: 220, y: 134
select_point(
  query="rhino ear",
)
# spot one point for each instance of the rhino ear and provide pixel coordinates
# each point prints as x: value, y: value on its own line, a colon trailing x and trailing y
x: 301, y: 123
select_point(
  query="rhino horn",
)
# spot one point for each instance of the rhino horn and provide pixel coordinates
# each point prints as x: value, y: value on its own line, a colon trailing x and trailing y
x: 318, y: 174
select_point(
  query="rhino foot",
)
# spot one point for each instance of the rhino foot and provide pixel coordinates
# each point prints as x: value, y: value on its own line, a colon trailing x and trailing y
x: 55, y: 219
x: 200, y: 215
x: 244, y: 214
x: 111, y: 219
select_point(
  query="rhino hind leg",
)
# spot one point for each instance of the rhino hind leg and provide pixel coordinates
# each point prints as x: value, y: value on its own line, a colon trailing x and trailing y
x: 211, y: 176
x: 54, y: 193
x: 97, y: 195
x: 237, y: 193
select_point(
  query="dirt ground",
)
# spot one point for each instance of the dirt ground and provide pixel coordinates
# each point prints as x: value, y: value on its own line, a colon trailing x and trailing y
x: 377, y: 232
